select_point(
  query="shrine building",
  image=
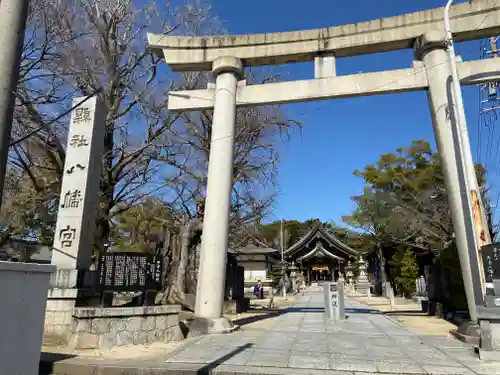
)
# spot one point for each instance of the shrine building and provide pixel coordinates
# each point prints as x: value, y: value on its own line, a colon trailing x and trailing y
x: 319, y: 255
x: 256, y: 258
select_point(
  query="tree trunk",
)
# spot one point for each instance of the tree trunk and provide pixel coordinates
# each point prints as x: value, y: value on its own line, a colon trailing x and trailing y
x: 171, y: 265
x: 193, y: 266
x: 383, y: 274
x: 177, y: 281
x: 107, y: 189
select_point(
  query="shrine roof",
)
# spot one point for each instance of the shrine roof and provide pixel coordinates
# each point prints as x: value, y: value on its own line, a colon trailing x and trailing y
x: 319, y: 252
x: 252, y: 245
x: 318, y: 232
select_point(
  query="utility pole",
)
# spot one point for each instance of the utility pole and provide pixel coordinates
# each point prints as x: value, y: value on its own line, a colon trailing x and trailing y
x: 283, y: 268
x: 13, y: 15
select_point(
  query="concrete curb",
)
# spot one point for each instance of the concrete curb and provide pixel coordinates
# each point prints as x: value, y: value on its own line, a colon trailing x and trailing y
x: 81, y: 366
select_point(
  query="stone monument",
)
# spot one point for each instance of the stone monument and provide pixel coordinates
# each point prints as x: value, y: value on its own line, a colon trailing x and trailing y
x: 78, y: 203
x: 489, y: 314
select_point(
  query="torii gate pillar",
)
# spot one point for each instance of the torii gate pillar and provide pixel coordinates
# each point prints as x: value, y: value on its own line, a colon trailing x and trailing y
x: 214, y: 244
x: 431, y: 49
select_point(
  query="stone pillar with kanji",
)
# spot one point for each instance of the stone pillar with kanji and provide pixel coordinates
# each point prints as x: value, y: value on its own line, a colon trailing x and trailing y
x: 77, y: 208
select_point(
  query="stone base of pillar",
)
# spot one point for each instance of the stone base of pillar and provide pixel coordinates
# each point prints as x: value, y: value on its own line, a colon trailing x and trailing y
x: 198, y: 326
x: 467, y: 332
x: 488, y: 355
x: 362, y: 289
x: 64, y: 294
x: 489, y: 343
x: 349, y: 289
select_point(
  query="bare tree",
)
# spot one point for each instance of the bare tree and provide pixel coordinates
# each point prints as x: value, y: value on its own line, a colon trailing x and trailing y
x: 258, y: 132
x: 36, y: 157
x: 97, y: 47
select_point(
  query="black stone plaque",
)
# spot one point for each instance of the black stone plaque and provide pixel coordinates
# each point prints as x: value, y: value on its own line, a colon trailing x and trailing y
x: 491, y: 261
x: 130, y: 272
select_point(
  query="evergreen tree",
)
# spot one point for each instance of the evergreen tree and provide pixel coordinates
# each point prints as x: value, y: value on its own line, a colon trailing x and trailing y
x: 406, y: 268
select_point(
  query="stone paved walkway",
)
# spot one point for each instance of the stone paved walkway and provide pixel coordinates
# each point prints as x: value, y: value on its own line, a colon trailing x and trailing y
x: 365, y: 342
x: 300, y: 341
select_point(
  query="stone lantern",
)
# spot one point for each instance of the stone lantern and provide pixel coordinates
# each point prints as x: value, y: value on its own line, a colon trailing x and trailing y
x: 362, y: 283
x: 349, y: 274
x: 284, y: 268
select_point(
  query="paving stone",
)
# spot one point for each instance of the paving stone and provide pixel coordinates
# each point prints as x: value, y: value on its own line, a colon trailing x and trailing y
x: 485, y: 368
x: 350, y: 353
x: 269, y: 358
x: 462, y: 356
x: 239, y: 358
x: 434, y: 357
x: 194, y: 355
x: 287, y: 328
x: 348, y: 347
x: 386, y: 352
x: 447, y: 370
x: 281, y: 345
x: 354, y: 365
x: 382, y: 342
x: 314, y: 361
x: 309, y: 346
x: 256, y: 370
x: 399, y: 367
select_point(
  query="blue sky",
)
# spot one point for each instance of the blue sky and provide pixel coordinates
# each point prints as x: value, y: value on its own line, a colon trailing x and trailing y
x: 340, y: 136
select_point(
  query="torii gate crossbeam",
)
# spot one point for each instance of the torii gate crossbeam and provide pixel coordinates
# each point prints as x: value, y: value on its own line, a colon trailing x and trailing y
x: 348, y: 86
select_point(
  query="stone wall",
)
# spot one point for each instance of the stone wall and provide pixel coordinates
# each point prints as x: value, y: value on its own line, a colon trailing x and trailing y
x: 104, y: 328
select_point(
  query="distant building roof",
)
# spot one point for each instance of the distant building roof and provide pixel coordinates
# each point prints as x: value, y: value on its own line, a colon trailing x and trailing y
x: 319, y: 242
x: 252, y: 245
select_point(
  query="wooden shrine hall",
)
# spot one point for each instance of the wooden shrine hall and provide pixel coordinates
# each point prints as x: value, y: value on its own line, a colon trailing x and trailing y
x: 320, y: 255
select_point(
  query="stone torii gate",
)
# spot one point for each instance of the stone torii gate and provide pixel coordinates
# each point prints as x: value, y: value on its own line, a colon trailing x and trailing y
x: 226, y: 57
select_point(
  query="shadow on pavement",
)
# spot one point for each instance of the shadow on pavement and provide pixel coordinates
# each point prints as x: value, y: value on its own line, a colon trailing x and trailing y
x: 359, y: 310
x: 47, y: 361
x: 257, y: 318
x: 305, y: 310
x: 207, y: 369
x: 406, y: 313
x: 290, y: 310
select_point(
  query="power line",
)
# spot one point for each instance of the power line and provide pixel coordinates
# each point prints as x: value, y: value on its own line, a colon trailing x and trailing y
x: 46, y: 126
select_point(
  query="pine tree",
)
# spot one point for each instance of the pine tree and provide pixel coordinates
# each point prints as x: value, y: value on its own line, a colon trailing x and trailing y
x: 408, y: 272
